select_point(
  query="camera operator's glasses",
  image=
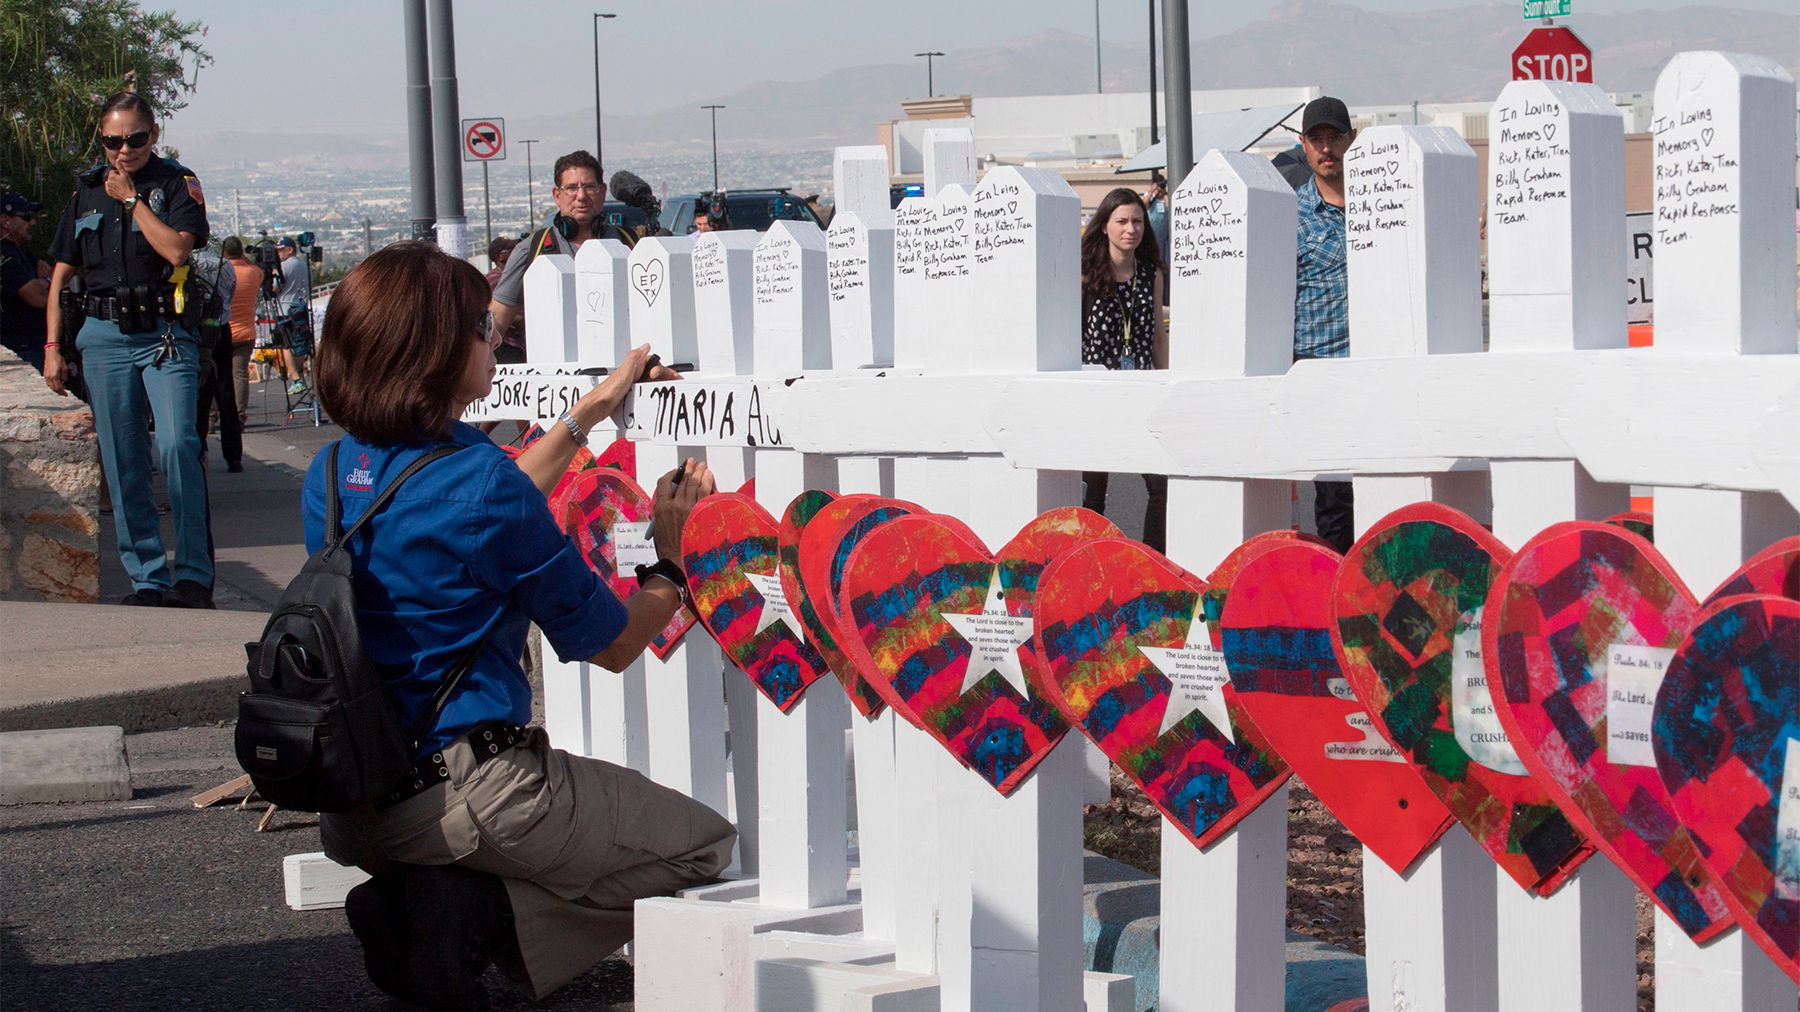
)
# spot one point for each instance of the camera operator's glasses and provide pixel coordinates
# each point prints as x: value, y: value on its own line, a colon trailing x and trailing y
x: 114, y: 142
x: 484, y: 328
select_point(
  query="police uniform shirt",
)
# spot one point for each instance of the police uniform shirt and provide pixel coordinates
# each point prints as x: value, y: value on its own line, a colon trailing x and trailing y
x: 21, y: 323
x: 98, y: 236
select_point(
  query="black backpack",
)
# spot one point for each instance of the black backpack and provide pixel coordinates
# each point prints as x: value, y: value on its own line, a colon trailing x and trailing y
x: 318, y: 730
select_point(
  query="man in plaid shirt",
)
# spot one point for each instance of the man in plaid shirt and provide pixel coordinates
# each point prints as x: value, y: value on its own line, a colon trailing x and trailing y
x: 1321, y: 295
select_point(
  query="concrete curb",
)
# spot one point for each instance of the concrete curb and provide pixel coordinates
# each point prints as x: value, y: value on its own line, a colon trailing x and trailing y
x: 152, y: 709
x: 64, y: 764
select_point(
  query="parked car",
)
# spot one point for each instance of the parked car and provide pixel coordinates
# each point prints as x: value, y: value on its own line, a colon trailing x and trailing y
x: 753, y: 209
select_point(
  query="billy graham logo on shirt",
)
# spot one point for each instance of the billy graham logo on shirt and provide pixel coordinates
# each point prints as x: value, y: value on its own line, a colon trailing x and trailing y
x: 360, y: 477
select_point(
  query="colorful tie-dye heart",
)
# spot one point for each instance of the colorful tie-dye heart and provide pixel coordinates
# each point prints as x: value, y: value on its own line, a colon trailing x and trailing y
x: 1408, y: 602
x: 729, y: 550
x: 1579, y: 629
x: 621, y: 455
x: 944, y: 628
x: 1639, y: 522
x: 597, y: 500
x: 824, y: 546
x: 1109, y: 618
x: 1276, y: 637
x: 1726, y: 721
x: 1774, y: 570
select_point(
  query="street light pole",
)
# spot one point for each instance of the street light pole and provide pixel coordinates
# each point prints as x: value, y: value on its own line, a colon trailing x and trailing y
x: 930, y: 85
x: 1098, y: 86
x: 1152, y: 5
x: 597, y: 155
x: 715, y: 138
x: 530, y: 201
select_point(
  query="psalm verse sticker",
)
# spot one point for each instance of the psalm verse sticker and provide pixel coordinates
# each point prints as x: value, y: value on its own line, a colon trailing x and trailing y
x: 1787, y: 828
x: 1633, y: 674
x: 631, y: 547
x: 1472, y: 715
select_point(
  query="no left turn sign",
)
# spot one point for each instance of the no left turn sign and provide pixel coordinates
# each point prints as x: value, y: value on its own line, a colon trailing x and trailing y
x: 484, y: 140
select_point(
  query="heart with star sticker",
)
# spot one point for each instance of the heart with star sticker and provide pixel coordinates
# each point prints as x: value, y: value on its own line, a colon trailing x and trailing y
x: 820, y: 548
x: 1275, y: 632
x: 1580, y: 626
x: 607, y: 515
x: 1121, y: 633
x: 1408, y: 605
x: 943, y: 628
x: 730, y: 553
x: 1727, y: 746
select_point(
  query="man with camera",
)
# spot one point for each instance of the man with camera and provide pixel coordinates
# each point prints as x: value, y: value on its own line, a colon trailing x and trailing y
x: 580, y: 197
x: 294, y: 302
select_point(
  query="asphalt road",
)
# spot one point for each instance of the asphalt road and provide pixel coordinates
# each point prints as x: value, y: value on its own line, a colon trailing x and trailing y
x: 151, y: 904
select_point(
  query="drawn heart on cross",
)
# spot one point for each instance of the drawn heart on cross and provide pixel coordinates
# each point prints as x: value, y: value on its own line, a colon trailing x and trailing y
x: 1549, y: 131
x: 944, y: 630
x: 817, y: 532
x: 729, y: 552
x: 1579, y: 630
x: 1115, y: 621
x: 1706, y: 136
x: 1012, y: 207
x: 1393, y: 168
x: 1275, y: 631
x: 1214, y: 204
x: 647, y: 279
x: 1724, y: 737
x: 605, y: 513
x: 594, y: 299
x: 1408, y: 603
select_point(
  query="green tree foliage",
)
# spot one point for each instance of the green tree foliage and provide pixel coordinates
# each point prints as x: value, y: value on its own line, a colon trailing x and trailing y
x: 58, y: 60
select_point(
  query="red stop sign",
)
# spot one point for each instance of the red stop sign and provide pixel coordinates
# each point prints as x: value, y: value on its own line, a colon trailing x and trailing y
x: 1553, y: 54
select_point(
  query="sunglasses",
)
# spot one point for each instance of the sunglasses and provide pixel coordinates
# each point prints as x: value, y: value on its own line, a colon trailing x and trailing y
x: 113, y: 142
x: 484, y: 329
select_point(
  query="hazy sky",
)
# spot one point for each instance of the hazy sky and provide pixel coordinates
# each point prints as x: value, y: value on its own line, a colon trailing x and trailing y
x: 340, y: 64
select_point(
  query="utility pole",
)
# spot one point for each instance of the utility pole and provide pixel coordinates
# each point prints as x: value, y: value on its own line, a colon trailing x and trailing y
x: 530, y: 201
x: 1179, y: 86
x: 1098, y: 87
x: 598, y: 155
x: 487, y: 204
x: 446, y: 113
x: 237, y: 212
x: 930, y: 85
x: 368, y: 237
x: 715, y: 138
x: 423, y: 204
x: 1152, y: 5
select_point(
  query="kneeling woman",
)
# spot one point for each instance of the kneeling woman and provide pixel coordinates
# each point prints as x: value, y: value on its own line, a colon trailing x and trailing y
x: 513, y: 851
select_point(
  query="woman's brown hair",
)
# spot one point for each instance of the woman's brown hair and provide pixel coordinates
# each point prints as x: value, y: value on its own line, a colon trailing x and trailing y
x: 1096, y: 258
x: 396, y: 341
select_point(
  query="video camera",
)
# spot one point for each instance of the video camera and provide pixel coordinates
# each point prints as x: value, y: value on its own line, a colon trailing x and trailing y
x: 631, y: 190
x: 712, y: 205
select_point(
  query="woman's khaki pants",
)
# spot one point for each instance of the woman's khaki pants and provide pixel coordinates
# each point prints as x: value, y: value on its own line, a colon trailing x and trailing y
x: 576, y: 840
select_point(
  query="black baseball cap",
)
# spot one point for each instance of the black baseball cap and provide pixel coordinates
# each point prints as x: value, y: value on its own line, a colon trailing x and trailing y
x: 15, y: 203
x: 1327, y: 111
x: 287, y: 241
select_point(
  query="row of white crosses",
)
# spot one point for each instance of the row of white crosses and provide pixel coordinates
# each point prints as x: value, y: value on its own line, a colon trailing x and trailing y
x: 985, y: 417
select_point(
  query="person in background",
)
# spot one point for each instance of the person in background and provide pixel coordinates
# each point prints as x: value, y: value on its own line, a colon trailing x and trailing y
x: 294, y: 303
x: 703, y: 219
x: 248, y: 279
x: 1122, y: 322
x: 580, y: 195
x: 129, y: 227
x: 820, y: 211
x: 1322, y: 282
x: 1156, y: 205
x: 500, y: 847
x: 215, y: 359
x: 24, y: 281
x: 512, y: 341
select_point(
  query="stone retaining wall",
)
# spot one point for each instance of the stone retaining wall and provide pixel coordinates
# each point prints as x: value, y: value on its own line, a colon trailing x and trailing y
x: 49, y: 491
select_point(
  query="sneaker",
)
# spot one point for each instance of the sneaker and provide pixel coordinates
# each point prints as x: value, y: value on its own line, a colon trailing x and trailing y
x: 376, y: 910
x: 296, y: 388
x: 149, y: 597
x: 234, y: 466
x: 455, y: 918
x: 188, y: 594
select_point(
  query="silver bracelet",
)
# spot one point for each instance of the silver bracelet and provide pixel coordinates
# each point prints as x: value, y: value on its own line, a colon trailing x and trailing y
x: 575, y: 428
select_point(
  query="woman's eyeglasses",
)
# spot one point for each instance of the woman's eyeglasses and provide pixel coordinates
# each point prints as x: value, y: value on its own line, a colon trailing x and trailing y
x: 114, y: 142
x: 484, y: 329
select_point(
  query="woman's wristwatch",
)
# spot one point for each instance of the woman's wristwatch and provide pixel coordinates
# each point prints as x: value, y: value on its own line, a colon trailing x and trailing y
x: 665, y: 568
x: 575, y: 428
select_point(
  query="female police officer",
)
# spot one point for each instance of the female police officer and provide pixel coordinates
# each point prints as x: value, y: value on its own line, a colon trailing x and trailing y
x: 128, y: 230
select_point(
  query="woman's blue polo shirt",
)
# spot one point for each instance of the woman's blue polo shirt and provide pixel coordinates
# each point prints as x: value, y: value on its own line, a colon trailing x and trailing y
x: 466, y: 548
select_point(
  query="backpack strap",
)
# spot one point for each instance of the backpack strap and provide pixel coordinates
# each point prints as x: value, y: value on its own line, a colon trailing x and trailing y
x: 334, y: 510
x: 427, y: 721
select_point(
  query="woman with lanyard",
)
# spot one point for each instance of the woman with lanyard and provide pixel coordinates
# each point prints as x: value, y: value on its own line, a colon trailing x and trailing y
x: 499, y: 847
x: 127, y: 232
x: 1122, y: 322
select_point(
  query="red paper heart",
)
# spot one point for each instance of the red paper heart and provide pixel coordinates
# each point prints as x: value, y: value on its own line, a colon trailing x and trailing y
x: 944, y: 628
x: 1581, y: 623
x: 1723, y: 734
x: 1097, y: 608
x: 1276, y: 637
x: 729, y: 548
x: 1774, y: 570
x: 620, y: 454
x: 1407, y: 599
x: 595, y: 502
x: 1639, y: 522
x: 823, y: 549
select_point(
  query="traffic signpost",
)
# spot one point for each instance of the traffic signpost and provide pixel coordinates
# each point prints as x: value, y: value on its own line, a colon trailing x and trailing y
x: 1546, y: 9
x: 484, y: 141
x: 1553, y: 54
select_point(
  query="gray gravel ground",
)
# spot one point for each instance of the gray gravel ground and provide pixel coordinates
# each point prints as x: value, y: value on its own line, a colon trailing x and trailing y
x: 151, y: 904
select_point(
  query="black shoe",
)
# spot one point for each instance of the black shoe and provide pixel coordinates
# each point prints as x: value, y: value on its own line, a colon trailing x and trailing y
x: 376, y: 910
x: 149, y: 597
x: 456, y: 919
x: 188, y: 594
x: 234, y: 466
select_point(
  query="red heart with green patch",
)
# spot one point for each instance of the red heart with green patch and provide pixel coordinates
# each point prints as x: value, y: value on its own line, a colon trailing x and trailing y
x: 601, y: 509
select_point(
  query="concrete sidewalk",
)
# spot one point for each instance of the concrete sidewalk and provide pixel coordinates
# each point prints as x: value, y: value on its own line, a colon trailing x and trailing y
x: 66, y: 665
